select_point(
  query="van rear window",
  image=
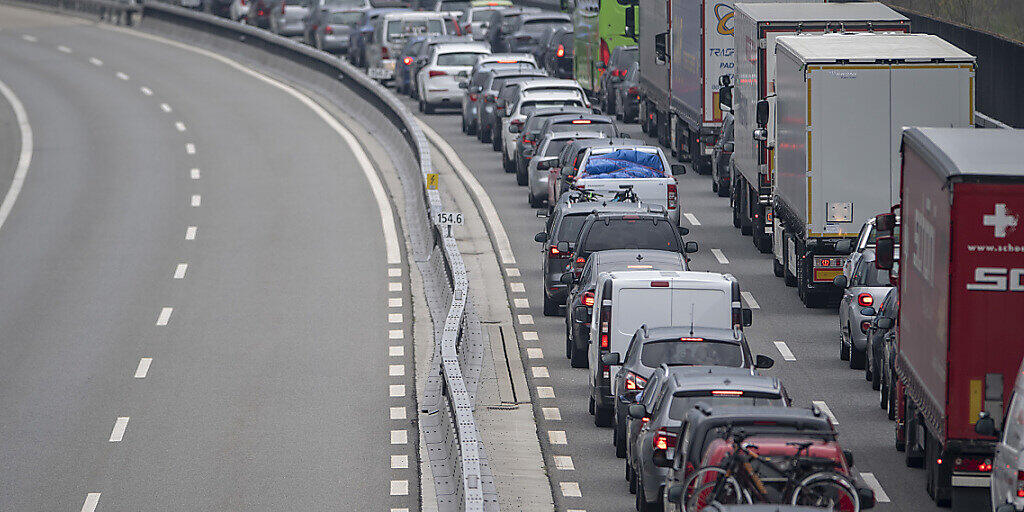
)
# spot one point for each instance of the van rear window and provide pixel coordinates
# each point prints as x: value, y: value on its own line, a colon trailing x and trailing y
x: 697, y: 353
x: 631, y: 234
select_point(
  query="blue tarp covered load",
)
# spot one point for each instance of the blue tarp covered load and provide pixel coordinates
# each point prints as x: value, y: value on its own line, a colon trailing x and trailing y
x: 624, y: 163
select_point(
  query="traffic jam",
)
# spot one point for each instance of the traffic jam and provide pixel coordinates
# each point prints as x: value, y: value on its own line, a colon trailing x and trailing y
x: 845, y: 145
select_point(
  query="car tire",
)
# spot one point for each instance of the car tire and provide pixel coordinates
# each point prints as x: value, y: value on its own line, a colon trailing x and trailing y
x: 591, y: 407
x: 471, y: 128
x: 619, y: 438
x: 890, y: 404
x: 778, y: 268
x: 603, y: 416
x: 496, y: 139
x: 858, y: 358
x: 484, y: 135
x: 534, y: 202
x: 521, y: 178
x: 876, y: 380
x: 427, y: 107
x: 577, y: 358
x: 631, y: 478
x: 465, y: 129
x: 550, y: 307
x: 883, y: 394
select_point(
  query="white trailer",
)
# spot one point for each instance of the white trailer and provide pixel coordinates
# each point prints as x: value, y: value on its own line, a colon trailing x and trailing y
x: 654, y: 67
x: 758, y: 26
x: 702, y: 50
x: 843, y: 100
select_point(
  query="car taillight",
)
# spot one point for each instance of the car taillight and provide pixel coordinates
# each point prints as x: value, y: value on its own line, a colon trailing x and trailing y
x: 328, y: 30
x: 560, y: 52
x: 588, y: 299
x: 1020, y: 484
x: 633, y: 90
x: 974, y: 465
x: 663, y: 439
x: 407, y: 61
x: 259, y: 12
x: 436, y: 72
x: 865, y: 299
x: 468, y: 29
x: 606, y: 325
x: 726, y: 392
x: 488, y: 98
x: 635, y: 382
x: 865, y: 326
x: 384, y: 52
x: 673, y: 197
x: 580, y: 262
x: 659, y: 284
x: 472, y: 97
x: 553, y: 252
x: 527, y: 140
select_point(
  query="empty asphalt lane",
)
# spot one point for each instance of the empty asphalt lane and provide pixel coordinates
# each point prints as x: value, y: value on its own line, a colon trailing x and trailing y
x: 265, y: 385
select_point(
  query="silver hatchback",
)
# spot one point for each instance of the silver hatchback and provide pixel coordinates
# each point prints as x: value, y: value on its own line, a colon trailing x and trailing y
x: 863, y: 292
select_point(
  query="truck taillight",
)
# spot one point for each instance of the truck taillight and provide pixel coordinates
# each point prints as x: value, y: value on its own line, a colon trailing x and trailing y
x: 408, y: 61
x: 977, y: 465
x: 588, y: 299
x: 635, y: 382
x: 663, y: 439
x: 865, y: 299
x: 328, y: 30
x: 673, y: 197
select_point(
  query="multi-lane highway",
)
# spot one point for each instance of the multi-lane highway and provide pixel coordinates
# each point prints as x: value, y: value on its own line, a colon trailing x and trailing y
x: 811, y: 336
x: 198, y: 307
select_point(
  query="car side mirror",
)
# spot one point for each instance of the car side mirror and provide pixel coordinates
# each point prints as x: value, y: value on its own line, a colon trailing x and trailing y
x: 563, y: 247
x: 580, y: 312
x: 568, y: 279
x: 675, y: 494
x: 848, y: 456
x: 630, y: 30
x: 514, y: 128
x: 868, y: 311
x: 844, y: 246
x: 885, y: 252
x: 547, y: 163
x: 690, y: 247
x: 884, y: 323
x: 611, y: 359
x: 840, y: 281
x: 763, y: 362
x: 678, y: 169
x: 637, y: 411
x: 660, y: 459
x: 729, y: 147
x: 762, y: 113
x: 986, y: 426
x: 683, y: 230
x: 747, y: 316
x: 540, y: 237
x: 463, y: 85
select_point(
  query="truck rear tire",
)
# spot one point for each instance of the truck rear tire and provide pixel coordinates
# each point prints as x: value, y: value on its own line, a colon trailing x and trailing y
x: 912, y: 455
x: 788, y: 277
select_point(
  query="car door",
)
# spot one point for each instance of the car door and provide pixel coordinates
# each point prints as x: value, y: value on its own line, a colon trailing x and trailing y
x: 1004, y: 478
x: 847, y: 301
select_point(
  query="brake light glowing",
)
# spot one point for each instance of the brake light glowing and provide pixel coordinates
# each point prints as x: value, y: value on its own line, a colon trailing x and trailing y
x: 553, y: 252
x: 384, y: 52
x: 328, y: 29
x: 972, y: 464
x: 663, y: 439
x: 673, y: 196
x: 472, y: 97
x: 588, y: 299
x: 560, y: 52
x: 865, y: 299
x: 635, y: 382
x: 1020, y: 484
x: 726, y: 392
x: 407, y: 61
x: 436, y: 72
x: 638, y: 267
x: 659, y: 284
x: 506, y: 61
x: 581, y: 121
x: 691, y: 339
x: 259, y: 12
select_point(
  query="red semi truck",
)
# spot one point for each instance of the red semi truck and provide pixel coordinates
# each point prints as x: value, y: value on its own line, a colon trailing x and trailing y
x: 960, y: 332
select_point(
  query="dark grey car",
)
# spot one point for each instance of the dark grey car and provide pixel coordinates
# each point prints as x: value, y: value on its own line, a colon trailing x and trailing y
x: 618, y: 65
x: 627, y: 94
x: 568, y: 122
x: 526, y: 31
x: 529, y: 135
x: 480, y: 91
x: 721, y: 156
x: 500, y: 25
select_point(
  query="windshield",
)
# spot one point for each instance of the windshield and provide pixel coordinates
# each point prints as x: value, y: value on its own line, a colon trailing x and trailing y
x: 480, y: 15
x: 406, y: 27
x: 610, y: 234
x: 555, y: 147
x: 682, y: 404
x: 454, y: 6
x: 530, y: 106
x: 343, y: 18
x: 457, y: 59
x: 569, y: 229
x: 607, y: 129
x: 344, y: 3
x: 697, y: 353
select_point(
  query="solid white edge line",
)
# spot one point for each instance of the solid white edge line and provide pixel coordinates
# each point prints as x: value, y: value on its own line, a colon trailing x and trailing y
x: 24, y: 158
x: 143, y: 369
x: 823, y: 407
x: 787, y: 354
x: 118, y: 431
x: 91, y: 500
x: 190, y: 232
x: 720, y: 256
x: 875, y: 485
x: 477, y: 190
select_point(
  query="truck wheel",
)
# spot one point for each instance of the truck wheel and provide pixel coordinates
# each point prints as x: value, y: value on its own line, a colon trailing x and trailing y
x: 534, y: 202
x: 788, y: 277
x: 603, y: 416
x: 913, y: 456
x: 723, y: 191
x: 743, y: 208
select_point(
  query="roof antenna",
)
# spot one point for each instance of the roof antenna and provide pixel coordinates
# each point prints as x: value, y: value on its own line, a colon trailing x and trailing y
x: 691, y: 319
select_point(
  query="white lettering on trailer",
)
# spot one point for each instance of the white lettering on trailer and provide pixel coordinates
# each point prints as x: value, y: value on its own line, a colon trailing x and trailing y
x: 1001, y: 220
x: 998, y: 279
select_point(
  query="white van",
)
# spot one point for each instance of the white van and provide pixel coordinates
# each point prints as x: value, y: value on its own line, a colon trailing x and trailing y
x: 627, y: 300
x: 1008, y: 467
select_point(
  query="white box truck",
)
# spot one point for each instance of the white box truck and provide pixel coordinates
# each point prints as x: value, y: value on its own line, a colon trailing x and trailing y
x: 843, y: 100
x: 758, y: 26
x: 654, y: 67
x: 702, y: 51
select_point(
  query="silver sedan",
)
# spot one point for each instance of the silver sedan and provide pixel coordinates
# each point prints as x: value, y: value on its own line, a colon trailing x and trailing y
x: 550, y: 147
x: 863, y: 293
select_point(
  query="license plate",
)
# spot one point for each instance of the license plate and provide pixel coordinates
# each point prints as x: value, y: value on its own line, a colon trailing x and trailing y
x: 826, y: 275
x: 378, y: 73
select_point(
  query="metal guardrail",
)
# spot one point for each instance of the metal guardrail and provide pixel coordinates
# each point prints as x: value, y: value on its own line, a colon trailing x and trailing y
x: 456, y: 413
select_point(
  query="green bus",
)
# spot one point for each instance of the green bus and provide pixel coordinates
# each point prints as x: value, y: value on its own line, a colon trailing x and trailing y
x: 599, y: 27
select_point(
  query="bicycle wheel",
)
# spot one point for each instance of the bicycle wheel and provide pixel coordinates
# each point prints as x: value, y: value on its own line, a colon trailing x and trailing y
x: 701, y: 484
x: 827, y: 490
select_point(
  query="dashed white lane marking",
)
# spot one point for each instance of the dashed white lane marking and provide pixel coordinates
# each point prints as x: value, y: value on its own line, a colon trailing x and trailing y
x: 394, y: 272
x: 787, y: 354
x: 530, y: 336
x: 540, y: 372
x: 749, y: 299
x: 395, y: 318
x: 396, y: 351
x: 399, y: 487
x: 396, y: 390
x: 512, y: 272
x: 63, y: 49
x: 25, y: 156
x: 91, y: 500
x: 122, y: 75
x: 396, y: 334
x: 146, y: 90
x: 521, y: 303
x: 197, y: 200
x: 397, y: 413
x: 552, y: 413
x: 395, y: 302
x: 395, y: 287
x: 517, y: 287
x: 534, y: 353
x: 29, y: 38
x: 194, y: 174
x: 190, y: 148
x: 165, y: 107
x: 557, y: 437
x: 570, y: 489
x: 179, y: 271
x: 691, y: 219
x: 545, y: 392
x: 165, y: 316
x: 823, y: 407
x: 399, y: 436
x: 525, y: 319
x: 396, y: 370
x: 190, y: 233
x: 143, y: 369
x: 180, y: 126
x: 119, y: 427
x: 399, y: 462
x: 720, y: 256
x: 875, y: 485
x: 95, y: 62
x: 564, y: 462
